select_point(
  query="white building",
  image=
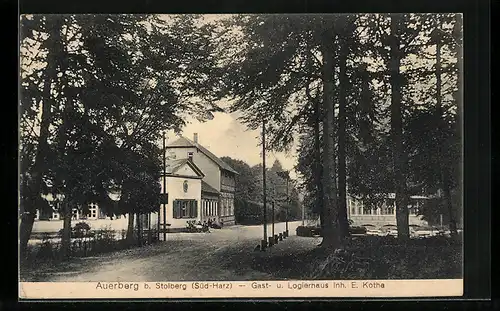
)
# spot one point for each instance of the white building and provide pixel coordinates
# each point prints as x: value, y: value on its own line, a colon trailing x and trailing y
x: 199, y: 185
x: 210, y: 183
x: 51, y: 221
x: 385, y: 213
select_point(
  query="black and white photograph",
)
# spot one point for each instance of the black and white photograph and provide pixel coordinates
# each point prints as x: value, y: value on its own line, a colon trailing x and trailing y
x: 174, y: 148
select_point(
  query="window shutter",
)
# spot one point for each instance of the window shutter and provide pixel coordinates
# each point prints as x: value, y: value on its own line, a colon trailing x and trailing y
x: 176, y: 209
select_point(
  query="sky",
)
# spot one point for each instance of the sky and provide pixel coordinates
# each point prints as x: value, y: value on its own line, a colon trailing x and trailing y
x: 225, y: 135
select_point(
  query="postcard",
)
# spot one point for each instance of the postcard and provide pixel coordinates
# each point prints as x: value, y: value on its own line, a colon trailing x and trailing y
x: 240, y: 156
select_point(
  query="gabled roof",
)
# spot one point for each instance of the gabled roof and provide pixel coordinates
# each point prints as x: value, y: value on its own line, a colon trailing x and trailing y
x: 207, y: 188
x: 184, y: 142
x: 175, y: 165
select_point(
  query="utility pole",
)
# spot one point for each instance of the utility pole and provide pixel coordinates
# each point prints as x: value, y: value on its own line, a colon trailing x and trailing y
x: 264, y: 241
x: 164, y: 188
x: 272, y: 205
x: 287, y: 203
x: 303, y: 213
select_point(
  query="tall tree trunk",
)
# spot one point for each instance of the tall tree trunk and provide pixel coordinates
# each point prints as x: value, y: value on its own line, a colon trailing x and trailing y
x: 139, y: 231
x: 343, y: 222
x: 449, y: 205
x: 29, y: 209
x: 67, y: 214
x: 26, y: 227
x: 130, y: 229
x: 458, y: 96
x: 443, y: 167
x: 331, y: 236
x: 65, y: 172
x: 318, y: 172
x: 399, y: 157
x: 318, y: 167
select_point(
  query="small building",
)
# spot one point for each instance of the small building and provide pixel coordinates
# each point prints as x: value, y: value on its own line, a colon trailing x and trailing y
x: 384, y: 213
x: 50, y: 221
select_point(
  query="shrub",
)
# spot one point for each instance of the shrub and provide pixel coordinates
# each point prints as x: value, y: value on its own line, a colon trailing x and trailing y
x: 307, y: 231
x: 80, y: 230
x: 344, y: 265
x: 357, y: 230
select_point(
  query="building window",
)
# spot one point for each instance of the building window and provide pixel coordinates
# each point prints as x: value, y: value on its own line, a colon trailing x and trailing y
x: 206, y: 208
x: 93, y: 211
x: 352, y: 207
x: 185, y: 209
x: 413, y: 206
x: 101, y: 213
x: 365, y: 209
x: 388, y: 208
x: 75, y: 213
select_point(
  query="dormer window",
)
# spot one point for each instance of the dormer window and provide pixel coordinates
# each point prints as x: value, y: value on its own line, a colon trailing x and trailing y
x: 190, y: 155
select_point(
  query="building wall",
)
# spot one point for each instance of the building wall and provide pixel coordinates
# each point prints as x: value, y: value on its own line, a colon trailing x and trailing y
x: 175, y: 191
x: 381, y: 220
x: 227, y: 208
x: 119, y: 223
x: 228, y: 181
x: 228, y: 184
x: 55, y: 225
x: 205, y: 164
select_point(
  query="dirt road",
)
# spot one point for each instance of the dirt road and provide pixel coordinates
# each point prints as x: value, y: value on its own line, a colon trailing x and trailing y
x: 226, y: 254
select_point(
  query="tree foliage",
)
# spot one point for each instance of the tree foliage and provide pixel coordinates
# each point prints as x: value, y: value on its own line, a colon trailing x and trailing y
x: 96, y: 92
x: 249, y: 193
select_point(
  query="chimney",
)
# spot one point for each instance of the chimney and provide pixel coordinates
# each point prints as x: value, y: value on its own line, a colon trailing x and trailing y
x: 195, y: 137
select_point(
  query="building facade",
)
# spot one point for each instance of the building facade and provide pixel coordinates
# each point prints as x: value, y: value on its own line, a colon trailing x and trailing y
x: 50, y: 221
x: 217, y: 183
x: 384, y: 213
x: 199, y: 185
x: 183, y: 186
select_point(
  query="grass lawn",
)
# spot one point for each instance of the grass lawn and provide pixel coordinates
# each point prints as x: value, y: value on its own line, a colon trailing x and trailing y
x: 365, y: 258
